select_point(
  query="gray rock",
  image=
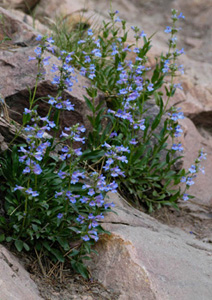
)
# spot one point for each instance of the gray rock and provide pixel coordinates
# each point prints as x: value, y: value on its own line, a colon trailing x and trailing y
x: 15, y: 282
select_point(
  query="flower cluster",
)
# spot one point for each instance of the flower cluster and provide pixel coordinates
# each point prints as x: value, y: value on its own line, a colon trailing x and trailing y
x: 192, y: 173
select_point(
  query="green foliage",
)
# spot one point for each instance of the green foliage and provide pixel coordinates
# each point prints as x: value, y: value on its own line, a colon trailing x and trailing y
x: 151, y: 176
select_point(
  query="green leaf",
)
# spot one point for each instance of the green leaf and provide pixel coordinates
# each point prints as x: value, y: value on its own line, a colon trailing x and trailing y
x: 156, y: 74
x: 64, y: 243
x: 58, y: 254
x: 19, y: 245
x: 2, y: 237
x: 9, y: 239
x: 26, y: 247
x: 80, y: 268
x: 34, y: 227
x: 89, y: 155
x: 89, y: 104
x: 74, y: 252
x: 75, y: 229
x: 46, y: 245
x: 2, y: 220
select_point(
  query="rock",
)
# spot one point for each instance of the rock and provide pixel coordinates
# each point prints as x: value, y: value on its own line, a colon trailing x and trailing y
x: 18, y: 75
x: 35, y: 24
x: 47, y: 11
x: 193, y: 142
x: 16, y: 66
x: 26, y: 6
x: 7, y: 132
x: 146, y: 260
x: 15, y: 32
x: 3, y: 145
x: 15, y: 282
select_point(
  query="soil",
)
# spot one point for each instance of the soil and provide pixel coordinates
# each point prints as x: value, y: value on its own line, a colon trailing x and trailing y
x: 61, y: 283
x: 73, y: 287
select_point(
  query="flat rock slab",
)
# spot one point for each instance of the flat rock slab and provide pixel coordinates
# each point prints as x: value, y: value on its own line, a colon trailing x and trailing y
x: 144, y: 259
x: 15, y: 282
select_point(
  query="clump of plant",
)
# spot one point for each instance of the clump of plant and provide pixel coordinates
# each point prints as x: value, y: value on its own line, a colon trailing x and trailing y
x: 148, y: 169
x: 54, y: 199
x: 52, y: 204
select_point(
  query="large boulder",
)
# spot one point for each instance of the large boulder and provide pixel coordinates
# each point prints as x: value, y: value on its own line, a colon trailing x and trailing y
x: 15, y: 282
x: 146, y: 260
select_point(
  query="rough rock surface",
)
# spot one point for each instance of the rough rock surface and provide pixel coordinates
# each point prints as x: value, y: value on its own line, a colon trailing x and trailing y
x: 15, y: 282
x: 21, y: 75
x: 47, y: 10
x: 15, y: 64
x: 144, y: 259
x: 25, y: 5
x: 29, y: 20
x: 193, y: 141
x: 16, y: 32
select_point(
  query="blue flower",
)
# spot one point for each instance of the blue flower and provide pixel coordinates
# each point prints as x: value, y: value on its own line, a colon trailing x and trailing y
x: 96, y: 52
x: 192, y: 169
x: 68, y: 105
x: 18, y: 187
x: 142, y: 34
x: 60, y: 215
x: 26, y: 170
x: 85, y: 238
x: 81, y: 42
x: 189, y: 181
x: 168, y: 29
x: 92, y: 203
x: 62, y: 174
x: 91, y: 192
x: 181, y: 16
x: 122, y: 158
x: 150, y: 87
x: 185, y: 197
x: 90, y: 32
x: 29, y: 191
x: 31, y: 58
x: 178, y: 147
x: 57, y: 194
x: 39, y: 38
x: 183, y: 179
x: 133, y: 142
x: 39, y: 134
x: 80, y: 219
x: 37, y: 169
x: 78, y: 151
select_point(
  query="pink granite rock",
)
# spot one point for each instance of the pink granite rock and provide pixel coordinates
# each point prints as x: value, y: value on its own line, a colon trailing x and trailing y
x: 26, y: 6
x: 18, y: 74
x: 144, y: 259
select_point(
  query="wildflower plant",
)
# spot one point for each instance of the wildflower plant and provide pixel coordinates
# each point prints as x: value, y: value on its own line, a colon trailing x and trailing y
x: 55, y: 199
